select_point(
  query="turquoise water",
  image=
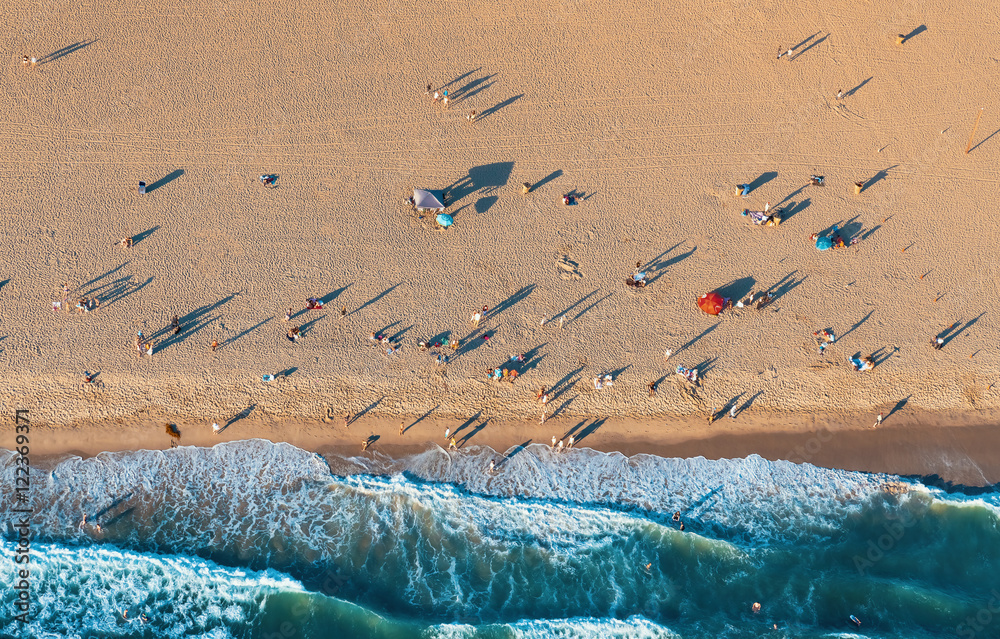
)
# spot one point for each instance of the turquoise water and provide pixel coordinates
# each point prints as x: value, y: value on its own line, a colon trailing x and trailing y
x: 254, y: 539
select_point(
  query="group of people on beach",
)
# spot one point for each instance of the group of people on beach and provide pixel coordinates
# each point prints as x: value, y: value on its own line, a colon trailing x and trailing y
x: 638, y: 279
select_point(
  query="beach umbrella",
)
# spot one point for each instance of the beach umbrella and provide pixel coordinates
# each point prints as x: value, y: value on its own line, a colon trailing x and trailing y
x: 427, y: 200
x: 445, y: 220
x: 824, y: 243
x: 711, y: 303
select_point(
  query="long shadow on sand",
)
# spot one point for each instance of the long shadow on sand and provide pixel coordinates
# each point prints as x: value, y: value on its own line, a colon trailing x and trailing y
x: 513, y: 299
x: 493, y: 109
x: 55, y: 55
x: 375, y: 299
x: 246, y: 332
x: 365, y: 411
x: 484, y: 179
x: 695, y: 339
x: 163, y: 181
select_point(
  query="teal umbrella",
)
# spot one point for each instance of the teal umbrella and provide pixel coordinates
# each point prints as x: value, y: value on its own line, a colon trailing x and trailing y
x: 445, y: 220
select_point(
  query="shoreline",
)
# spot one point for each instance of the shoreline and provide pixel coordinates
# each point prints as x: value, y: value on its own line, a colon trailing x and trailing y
x: 943, y: 449
x: 342, y: 117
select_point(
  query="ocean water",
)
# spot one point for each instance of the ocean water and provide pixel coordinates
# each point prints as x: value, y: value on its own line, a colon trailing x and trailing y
x: 255, y: 539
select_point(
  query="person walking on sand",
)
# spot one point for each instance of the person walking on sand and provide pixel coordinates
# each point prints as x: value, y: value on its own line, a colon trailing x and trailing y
x: 215, y: 345
x: 652, y: 389
x: 553, y: 442
x: 175, y: 324
x: 711, y: 416
x: 472, y: 116
x: 543, y: 416
x: 288, y: 315
x: 878, y: 421
x: 562, y: 321
x: 347, y: 420
x: 452, y: 444
x: 937, y: 343
x: 149, y: 348
x: 559, y: 446
x: 428, y: 91
x: 545, y: 318
x: 437, y: 97
x: 666, y: 356
x: 570, y: 442
x: 402, y: 427
x: 541, y: 392
x: 476, y: 318
x: 365, y: 443
x: 732, y: 412
x: 216, y: 428
x: 447, y: 433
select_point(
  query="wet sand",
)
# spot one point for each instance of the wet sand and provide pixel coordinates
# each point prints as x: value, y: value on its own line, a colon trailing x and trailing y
x: 945, y: 450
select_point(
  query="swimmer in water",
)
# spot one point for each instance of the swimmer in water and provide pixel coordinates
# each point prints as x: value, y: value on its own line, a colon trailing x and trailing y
x: 646, y: 569
x: 857, y: 622
x: 755, y: 607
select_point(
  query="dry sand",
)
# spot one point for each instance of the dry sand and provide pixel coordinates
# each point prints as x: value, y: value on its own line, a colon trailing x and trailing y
x: 652, y: 113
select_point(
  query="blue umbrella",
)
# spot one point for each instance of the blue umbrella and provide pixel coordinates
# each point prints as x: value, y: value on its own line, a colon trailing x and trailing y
x: 824, y: 243
x: 445, y: 220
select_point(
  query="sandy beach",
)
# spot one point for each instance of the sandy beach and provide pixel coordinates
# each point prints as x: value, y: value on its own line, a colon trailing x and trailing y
x: 649, y: 114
